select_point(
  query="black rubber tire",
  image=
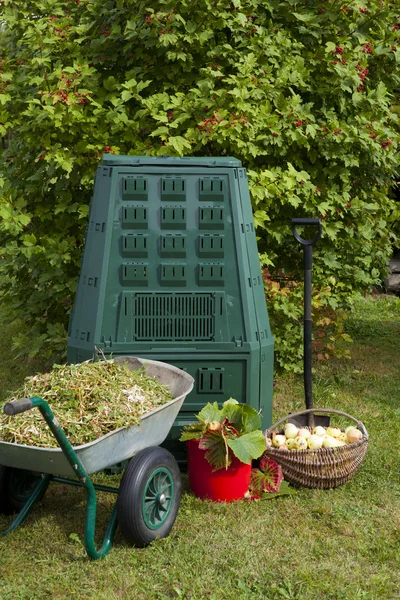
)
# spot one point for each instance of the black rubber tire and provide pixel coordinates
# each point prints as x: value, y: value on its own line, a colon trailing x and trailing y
x: 16, y: 485
x: 149, y: 496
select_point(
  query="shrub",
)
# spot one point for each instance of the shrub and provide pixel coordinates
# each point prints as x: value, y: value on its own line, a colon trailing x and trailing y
x: 300, y: 91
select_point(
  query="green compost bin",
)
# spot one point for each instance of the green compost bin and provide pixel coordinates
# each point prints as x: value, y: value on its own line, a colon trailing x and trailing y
x: 170, y: 272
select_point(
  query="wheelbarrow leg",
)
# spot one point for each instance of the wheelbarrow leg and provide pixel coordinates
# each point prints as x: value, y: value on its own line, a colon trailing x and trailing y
x: 80, y: 471
x: 27, y: 508
x: 90, y: 526
x: 24, y: 404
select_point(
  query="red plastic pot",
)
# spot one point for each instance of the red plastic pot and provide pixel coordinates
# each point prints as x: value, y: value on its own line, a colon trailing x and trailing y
x: 224, y: 485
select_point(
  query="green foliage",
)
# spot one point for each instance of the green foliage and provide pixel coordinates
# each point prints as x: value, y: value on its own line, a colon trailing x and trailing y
x: 301, y: 92
x: 248, y: 446
x: 224, y: 433
x: 394, y: 219
x: 285, y: 301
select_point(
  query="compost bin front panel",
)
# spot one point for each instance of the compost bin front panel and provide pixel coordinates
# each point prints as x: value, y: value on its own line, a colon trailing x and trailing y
x: 170, y: 271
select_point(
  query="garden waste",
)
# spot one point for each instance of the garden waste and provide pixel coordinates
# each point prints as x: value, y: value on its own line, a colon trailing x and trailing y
x: 89, y: 400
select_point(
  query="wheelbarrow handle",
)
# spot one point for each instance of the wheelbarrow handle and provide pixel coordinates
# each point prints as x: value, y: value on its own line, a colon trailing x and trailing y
x: 18, y: 406
x: 306, y: 221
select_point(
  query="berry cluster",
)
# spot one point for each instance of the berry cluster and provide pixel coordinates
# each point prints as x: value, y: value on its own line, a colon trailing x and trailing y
x: 362, y: 73
x: 67, y: 97
x: 367, y: 48
x: 159, y: 16
x: 208, y: 124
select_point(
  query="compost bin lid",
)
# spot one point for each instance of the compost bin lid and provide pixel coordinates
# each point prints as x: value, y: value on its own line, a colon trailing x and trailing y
x: 171, y: 161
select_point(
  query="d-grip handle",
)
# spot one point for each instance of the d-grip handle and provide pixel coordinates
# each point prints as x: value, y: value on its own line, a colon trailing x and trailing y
x: 306, y: 222
x: 18, y: 406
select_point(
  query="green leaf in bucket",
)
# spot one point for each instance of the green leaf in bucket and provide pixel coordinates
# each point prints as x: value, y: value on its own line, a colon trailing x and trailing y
x: 224, y: 433
x: 248, y: 446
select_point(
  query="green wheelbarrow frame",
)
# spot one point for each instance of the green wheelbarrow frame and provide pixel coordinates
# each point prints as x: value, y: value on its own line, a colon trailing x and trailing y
x: 83, y: 480
x: 150, y: 490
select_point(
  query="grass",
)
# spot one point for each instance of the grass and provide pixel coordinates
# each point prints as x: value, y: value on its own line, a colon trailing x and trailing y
x: 341, y: 544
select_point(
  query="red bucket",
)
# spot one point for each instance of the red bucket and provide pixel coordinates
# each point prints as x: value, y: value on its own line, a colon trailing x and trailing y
x: 224, y: 485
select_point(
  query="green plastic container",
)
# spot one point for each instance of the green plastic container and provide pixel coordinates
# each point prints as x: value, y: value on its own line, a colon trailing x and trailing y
x: 170, y: 272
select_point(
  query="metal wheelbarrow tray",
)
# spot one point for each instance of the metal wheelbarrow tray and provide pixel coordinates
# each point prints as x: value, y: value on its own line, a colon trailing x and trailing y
x: 150, y: 490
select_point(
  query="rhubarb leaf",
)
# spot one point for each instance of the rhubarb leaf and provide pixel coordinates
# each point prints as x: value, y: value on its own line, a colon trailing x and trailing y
x: 248, y: 446
x: 272, y: 475
x: 251, y: 419
x: 256, y: 487
x: 194, y: 431
x: 234, y: 414
x: 210, y: 412
x: 257, y: 482
x: 244, y: 417
x: 285, y: 489
x: 217, y: 452
x: 230, y: 401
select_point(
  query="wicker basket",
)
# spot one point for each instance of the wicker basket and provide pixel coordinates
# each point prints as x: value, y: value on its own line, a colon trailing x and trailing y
x: 323, y: 468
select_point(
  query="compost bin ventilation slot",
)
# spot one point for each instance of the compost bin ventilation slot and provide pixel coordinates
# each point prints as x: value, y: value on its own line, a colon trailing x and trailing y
x: 174, y: 317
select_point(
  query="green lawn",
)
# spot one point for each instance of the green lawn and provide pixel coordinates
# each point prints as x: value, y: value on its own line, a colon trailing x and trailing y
x: 340, y: 544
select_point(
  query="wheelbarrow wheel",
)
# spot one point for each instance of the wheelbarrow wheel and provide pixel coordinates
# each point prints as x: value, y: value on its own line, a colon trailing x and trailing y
x: 16, y: 486
x: 149, y: 496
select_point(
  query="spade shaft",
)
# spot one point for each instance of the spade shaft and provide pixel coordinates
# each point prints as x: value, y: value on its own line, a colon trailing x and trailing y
x: 307, y: 343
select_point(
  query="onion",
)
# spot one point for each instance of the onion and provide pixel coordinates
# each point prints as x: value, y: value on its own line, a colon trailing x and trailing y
x: 300, y: 443
x: 354, y: 435
x: 214, y: 426
x: 331, y: 442
x: 291, y: 431
x: 333, y: 432
x: 305, y: 433
x: 278, y: 440
x: 318, y: 430
x: 314, y: 442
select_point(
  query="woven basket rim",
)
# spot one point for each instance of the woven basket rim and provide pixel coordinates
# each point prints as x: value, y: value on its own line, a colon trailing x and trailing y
x: 359, y: 424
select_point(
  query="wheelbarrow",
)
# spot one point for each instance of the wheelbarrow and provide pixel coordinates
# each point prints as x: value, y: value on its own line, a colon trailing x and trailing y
x: 149, y: 495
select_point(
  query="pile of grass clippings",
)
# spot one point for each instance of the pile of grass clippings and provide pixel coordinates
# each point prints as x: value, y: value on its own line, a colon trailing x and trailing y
x: 88, y: 400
